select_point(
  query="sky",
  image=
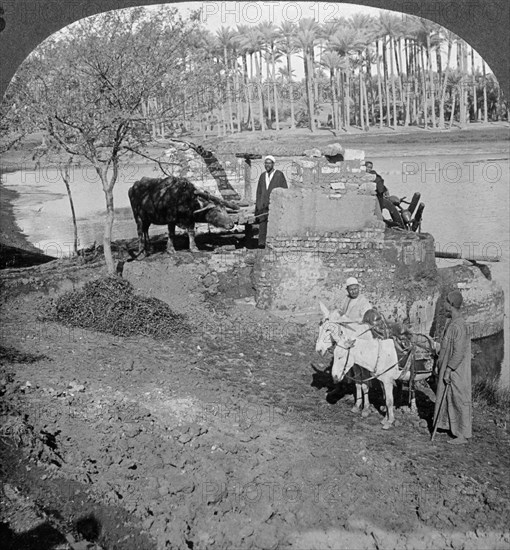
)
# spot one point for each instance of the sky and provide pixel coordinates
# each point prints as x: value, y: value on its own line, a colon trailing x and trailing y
x: 231, y: 14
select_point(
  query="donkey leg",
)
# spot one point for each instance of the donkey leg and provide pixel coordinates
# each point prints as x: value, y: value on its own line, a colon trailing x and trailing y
x: 359, y: 399
x: 366, y: 404
x: 388, y: 396
x: 358, y: 404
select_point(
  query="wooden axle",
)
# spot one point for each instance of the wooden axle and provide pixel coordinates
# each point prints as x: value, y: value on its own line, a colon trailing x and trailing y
x: 458, y: 256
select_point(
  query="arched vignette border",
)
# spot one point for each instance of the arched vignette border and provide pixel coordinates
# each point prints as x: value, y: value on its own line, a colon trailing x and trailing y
x: 482, y: 23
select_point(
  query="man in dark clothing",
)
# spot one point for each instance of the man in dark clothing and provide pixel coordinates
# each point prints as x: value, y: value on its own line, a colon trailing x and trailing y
x: 382, y: 191
x: 269, y: 180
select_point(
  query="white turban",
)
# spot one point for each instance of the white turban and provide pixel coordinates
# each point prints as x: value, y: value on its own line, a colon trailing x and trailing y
x: 351, y: 281
x: 271, y: 158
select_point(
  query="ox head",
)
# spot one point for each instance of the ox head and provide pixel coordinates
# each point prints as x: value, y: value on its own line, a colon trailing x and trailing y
x: 329, y: 329
x: 212, y: 212
x: 343, y: 359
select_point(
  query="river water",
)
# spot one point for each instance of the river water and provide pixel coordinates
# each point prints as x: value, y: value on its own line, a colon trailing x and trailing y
x: 465, y: 187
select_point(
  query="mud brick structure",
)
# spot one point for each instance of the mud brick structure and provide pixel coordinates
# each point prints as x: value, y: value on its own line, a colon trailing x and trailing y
x: 328, y: 226
x: 483, y: 305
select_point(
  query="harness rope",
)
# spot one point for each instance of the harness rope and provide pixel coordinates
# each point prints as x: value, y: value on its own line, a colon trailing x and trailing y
x: 376, y: 376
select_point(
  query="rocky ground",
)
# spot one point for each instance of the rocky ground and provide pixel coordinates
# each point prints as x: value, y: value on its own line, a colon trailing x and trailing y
x: 222, y: 439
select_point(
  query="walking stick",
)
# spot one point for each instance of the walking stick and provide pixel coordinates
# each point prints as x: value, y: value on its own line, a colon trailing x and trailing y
x: 439, y: 413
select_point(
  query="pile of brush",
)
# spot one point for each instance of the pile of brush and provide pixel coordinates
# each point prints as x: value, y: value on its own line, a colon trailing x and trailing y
x: 110, y: 305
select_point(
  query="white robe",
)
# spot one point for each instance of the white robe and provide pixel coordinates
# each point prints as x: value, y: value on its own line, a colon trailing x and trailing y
x: 355, y: 308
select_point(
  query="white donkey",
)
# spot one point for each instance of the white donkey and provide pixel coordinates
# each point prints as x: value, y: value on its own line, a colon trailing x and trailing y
x: 329, y: 332
x: 377, y: 356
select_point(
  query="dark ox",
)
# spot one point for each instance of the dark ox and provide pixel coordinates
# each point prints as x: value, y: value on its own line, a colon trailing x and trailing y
x: 173, y: 201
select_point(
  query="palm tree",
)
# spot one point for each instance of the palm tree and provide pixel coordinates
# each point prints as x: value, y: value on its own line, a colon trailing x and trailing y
x: 251, y: 39
x: 450, y: 38
x: 306, y: 37
x: 363, y: 25
x: 455, y: 80
x: 288, y: 47
x: 346, y: 41
x: 475, y: 101
x: 391, y: 26
x: 377, y: 34
x: 244, y: 51
x: 332, y: 61
x: 462, y: 64
x: 270, y: 34
x: 224, y: 37
x: 428, y: 37
x: 484, y: 74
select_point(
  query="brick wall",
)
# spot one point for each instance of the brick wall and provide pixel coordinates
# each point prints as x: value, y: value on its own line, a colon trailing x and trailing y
x: 298, y: 272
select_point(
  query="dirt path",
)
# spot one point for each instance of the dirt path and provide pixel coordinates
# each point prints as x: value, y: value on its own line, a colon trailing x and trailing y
x: 231, y: 443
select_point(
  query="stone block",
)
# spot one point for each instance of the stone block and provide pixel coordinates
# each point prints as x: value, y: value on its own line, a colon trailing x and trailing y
x: 333, y: 149
x: 354, y: 154
x: 315, y: 152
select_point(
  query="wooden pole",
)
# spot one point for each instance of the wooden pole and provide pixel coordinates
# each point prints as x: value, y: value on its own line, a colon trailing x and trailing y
x: 472, y: 258
x: 436, y: 422
x: 247, y: 180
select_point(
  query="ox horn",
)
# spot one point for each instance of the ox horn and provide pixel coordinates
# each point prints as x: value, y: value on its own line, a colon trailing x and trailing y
x: 206, y: 207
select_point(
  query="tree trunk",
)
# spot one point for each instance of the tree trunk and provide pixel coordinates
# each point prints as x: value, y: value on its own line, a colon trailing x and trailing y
x: 291, y: 93
x: 414, y: 117
x: 386, y: 83
x: 431, y: 78
x: 66, y: 176
x: 361, y: 102
x: 475, y: 100
x: 268, y: 86
x: 341, y: 110
x: 424, y: 83
x: 275, y: 90
x: 370, y: 81
x: 229, y: 94
x: 247, y: 93
x: 485, y: 117
x: 366, y: 103
x: 444, y: 86
x: 309, y: 89
x: 237, y: 95
x: 462, y: 102
x: 379, y: 87
x: 400, y: 70
x: 393, y: 94
x: 260, y: 93
x: 347, y: 101
x: 452, y: 114
x: 110, y: 212
x: 334, y: 100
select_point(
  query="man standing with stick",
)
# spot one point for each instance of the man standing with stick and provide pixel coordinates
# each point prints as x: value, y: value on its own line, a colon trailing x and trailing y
x: 453, y: 398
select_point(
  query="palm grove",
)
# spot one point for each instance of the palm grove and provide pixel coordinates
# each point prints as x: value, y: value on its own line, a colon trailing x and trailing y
x: 367, y: 71
x: 107, y: 86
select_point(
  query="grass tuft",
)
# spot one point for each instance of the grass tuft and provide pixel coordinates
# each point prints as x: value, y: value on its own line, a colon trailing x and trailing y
x: 488, y: 392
